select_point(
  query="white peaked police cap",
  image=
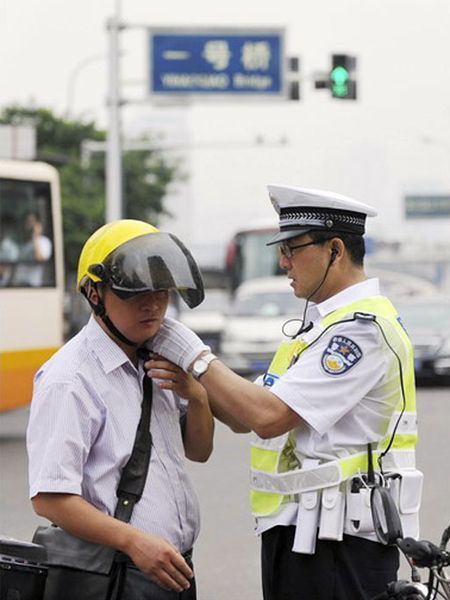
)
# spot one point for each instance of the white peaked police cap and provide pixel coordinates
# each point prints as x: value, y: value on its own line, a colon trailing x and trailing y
x: 302, y: 210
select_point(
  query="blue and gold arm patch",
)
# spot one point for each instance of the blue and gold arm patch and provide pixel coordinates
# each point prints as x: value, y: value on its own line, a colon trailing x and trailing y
x: 341, y: 354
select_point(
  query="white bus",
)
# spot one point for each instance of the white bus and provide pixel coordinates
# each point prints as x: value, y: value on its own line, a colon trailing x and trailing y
x: 31, y: 275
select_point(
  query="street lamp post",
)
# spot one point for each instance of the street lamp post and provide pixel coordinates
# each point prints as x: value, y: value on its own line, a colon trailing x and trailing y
x: 114, y: 141
x: 71, y: 84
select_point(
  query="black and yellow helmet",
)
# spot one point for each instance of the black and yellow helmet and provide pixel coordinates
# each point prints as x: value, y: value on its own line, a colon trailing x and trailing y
x: 132, y: 257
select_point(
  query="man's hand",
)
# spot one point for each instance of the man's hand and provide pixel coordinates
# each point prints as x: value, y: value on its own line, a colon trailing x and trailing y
x: 178, y: 343
x: 169, y: 376
x: 198, y: 430
x: 160, y: 561
x: 152, y: 554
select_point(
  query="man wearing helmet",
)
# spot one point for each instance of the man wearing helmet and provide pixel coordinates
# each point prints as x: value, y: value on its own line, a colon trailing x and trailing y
x: 87, y: 404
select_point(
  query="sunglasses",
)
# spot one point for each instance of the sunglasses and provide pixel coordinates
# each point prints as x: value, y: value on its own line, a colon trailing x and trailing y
x: 287, y: 251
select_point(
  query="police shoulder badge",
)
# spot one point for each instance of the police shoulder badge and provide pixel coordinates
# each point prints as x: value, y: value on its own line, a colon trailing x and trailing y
x: 340, y: 355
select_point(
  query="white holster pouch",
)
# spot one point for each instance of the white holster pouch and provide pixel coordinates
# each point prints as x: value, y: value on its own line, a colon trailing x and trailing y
x: 405, y: 488
x: 307, y: 517
x: 331, y: 525
x: 358, y: 518
x: 409, y: 493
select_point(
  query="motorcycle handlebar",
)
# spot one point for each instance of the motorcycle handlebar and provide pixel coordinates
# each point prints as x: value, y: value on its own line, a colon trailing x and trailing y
x: 423, y: 553
x: 401, y: 590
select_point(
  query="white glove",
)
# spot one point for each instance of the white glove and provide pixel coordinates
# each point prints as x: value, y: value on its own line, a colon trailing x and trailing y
x: 177, y: 343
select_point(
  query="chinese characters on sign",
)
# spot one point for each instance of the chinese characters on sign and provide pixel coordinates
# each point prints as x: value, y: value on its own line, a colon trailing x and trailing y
x: 217, y: 53
x: 217, y: 64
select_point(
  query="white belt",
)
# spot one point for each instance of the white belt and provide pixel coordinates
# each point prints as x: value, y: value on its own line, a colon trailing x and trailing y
x: 297, y: 481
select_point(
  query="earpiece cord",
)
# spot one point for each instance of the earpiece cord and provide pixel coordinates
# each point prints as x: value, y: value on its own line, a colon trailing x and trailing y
x: 400, y: 368
x: 304, y: 327
x: 402, y: 388
x: 324, y: 332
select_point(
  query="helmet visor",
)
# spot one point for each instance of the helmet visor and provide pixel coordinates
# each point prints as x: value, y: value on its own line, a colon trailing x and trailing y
x: 152, y: 262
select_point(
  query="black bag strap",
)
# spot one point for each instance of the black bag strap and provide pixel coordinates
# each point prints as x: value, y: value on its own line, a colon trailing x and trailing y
x: 134, y: 474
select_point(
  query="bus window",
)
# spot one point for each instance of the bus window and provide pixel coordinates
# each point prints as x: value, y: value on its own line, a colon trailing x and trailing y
x: 26, y: 234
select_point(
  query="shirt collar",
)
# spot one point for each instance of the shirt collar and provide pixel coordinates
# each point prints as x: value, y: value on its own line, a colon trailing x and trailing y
x: 109, y: 354
x: 364, y: 289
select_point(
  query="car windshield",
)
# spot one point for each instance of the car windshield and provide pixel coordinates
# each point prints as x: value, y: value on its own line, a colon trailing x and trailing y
x: 267, y: 304
x: 426, y: 314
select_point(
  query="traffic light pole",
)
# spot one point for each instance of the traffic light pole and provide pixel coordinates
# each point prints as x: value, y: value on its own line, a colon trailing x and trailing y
x: 114, y: 136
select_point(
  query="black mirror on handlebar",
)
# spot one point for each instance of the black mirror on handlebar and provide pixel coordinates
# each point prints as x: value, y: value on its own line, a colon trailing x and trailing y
x: 419, y: 553
x: 386, y: 519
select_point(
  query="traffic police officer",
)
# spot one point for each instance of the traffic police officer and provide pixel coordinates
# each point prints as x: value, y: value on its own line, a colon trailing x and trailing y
x: 337, y: 397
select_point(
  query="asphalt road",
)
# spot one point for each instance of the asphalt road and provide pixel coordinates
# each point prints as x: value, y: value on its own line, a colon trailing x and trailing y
x: 227, y: 553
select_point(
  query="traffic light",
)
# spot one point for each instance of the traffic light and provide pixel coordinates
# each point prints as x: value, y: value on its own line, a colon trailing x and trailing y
x: 293, y: 77
x: 342, y: 83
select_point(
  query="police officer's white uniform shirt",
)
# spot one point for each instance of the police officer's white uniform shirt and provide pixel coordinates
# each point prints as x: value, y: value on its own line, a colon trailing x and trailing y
x: 84, y: 415
x: 342, y: 412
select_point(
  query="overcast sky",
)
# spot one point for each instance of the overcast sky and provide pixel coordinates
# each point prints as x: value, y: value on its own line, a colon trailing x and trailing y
x: 44, y: 43
x: 395, y: 140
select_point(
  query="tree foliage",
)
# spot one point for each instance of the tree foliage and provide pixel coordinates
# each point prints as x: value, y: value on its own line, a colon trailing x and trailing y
x: 147, y: 175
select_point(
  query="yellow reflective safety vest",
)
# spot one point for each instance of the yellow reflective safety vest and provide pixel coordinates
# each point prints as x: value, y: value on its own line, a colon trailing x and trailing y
x: 276, y: 469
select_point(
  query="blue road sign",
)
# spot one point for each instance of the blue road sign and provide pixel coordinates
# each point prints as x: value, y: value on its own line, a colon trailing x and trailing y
x: 217, y: 63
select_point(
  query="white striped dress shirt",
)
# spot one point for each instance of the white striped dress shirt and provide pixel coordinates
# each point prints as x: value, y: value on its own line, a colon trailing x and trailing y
x: 84, y: 415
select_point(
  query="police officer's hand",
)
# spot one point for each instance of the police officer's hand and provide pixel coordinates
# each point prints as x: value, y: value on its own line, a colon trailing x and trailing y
x: 178, y: 343
x: 160, y: 561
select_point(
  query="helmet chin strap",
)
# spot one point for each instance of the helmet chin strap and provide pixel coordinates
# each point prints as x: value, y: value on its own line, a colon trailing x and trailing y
x: 118, y: 334
x: 100, y: 311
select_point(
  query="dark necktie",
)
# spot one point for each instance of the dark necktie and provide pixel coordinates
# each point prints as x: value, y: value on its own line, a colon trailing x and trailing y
x: 134, y: 474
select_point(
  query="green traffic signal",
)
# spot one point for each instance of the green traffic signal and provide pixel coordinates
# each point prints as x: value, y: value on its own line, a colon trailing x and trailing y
x: 340, y: 78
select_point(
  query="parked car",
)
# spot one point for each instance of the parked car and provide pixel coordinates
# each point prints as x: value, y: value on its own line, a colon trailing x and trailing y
x: 254, y: 326
x: 427, y: 321
x: 393, y: 283
x: 207, y: 319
